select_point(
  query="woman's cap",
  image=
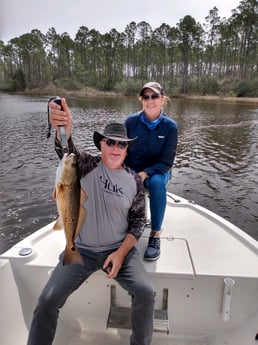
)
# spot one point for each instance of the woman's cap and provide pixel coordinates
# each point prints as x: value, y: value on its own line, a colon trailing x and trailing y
x: 114, y: 131
x: 154, y: 86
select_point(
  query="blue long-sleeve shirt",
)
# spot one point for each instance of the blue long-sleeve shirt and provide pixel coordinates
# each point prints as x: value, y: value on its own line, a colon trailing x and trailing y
x: 154, y: 150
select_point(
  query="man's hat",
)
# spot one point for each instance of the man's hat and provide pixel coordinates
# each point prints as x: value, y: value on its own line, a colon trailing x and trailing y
x: 154, y: 86
x: 115, y: 131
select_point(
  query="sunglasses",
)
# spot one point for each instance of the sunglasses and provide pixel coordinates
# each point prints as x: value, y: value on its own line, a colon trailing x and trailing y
x: 153, y: 96
x: 120, y: 144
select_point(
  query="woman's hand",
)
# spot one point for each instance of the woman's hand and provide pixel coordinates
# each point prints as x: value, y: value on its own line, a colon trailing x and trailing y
x: 143, y: 175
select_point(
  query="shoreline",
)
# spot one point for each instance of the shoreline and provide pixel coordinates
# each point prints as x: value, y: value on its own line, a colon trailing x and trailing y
x: 89, y: 92
x: 222, y: 98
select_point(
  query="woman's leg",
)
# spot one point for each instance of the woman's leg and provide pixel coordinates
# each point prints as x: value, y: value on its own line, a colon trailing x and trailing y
x: 157, y: 186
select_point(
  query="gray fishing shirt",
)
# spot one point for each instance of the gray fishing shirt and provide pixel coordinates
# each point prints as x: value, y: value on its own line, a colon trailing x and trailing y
x: 115, y: 202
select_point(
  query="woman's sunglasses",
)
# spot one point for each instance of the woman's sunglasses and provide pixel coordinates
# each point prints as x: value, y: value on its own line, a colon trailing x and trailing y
x: 153, y: 96
x: 120, y: 144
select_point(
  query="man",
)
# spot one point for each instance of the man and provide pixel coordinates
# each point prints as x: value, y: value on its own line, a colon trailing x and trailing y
x: 115, y: 220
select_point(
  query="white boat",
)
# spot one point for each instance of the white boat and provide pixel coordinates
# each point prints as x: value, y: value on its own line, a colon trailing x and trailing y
x: 206, y: 281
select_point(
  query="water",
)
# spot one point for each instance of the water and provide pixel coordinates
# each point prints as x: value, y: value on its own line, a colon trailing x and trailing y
x: 216, y: 163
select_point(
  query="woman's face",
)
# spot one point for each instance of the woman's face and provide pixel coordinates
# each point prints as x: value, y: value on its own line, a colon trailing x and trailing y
x: 152, y: 103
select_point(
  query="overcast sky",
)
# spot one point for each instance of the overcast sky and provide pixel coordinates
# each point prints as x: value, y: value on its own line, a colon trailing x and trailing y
x: 18, y: 17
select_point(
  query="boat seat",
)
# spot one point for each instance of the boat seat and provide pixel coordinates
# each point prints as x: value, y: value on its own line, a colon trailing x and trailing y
x: 120, y: 317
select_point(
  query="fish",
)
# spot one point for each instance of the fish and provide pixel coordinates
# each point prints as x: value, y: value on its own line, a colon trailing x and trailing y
x: 69, y: 199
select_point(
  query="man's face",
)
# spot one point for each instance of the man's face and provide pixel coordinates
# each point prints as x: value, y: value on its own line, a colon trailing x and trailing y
x: 113, y: 152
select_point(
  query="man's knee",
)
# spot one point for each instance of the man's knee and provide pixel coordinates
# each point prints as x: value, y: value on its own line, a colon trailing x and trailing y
x: 145, y: 293
x: 50, y: 300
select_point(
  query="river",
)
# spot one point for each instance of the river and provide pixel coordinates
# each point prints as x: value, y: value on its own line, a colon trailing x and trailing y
x: 216, y: 164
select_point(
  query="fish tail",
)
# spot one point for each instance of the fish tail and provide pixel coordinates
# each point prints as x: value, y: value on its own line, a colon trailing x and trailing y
x: 72, y: 256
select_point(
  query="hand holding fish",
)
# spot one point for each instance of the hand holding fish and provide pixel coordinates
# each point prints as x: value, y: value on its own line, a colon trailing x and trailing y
x: 60, y: 117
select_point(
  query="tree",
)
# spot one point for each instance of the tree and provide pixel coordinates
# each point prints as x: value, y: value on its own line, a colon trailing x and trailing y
x: 81, y: 54
x: 53, y: 53
x: 212, y: 37
x: 245, y: 18
x: 186, y: 58
x: 189, y: 34
x: 144, y: 32
x: 160, y: 43
x: 130, y: 39
x: 30, y: 58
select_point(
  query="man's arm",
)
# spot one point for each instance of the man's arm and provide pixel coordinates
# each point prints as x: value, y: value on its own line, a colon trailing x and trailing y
x: 136, y: 216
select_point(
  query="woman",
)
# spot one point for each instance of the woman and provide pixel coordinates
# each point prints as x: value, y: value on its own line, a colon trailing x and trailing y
x: 152, y: 155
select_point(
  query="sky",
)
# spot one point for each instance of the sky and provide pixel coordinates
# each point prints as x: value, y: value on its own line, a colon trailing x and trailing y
x: 18, y: 17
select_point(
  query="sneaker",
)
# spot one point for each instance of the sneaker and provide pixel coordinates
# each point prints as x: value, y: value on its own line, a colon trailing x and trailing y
x: 152, y: 251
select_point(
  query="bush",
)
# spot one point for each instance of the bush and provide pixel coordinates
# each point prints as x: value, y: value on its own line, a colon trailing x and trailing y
x: 67, y: 84
x: 128, y: 87
x: 19, y: 82
x: 226, y: 87
x: 6, y: 86
x: 243, y: 88
x: 254, y: 88
x: 203, y: 86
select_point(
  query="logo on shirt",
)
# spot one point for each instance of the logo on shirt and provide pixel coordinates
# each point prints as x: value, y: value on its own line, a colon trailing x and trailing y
x: 111, y: 188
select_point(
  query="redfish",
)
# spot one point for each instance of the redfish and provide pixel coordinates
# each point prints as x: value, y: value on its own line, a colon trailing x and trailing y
x: 69, y: 198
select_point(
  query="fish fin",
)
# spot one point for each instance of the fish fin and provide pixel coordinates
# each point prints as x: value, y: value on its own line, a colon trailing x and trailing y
x: 59, y: 187
x: 72, y: 256
x: 54, y: 194
x: 82, y: 212
x: 83, y: 196
x: 58, y: 224
x: 81, y: 217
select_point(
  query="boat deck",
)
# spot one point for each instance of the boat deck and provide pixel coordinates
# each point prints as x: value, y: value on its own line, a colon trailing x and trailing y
x: 190, y: 234
x: 199, y: 250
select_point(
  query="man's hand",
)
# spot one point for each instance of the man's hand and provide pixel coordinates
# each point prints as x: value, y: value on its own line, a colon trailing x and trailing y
x: 60, y: 117
x: 113, y: 264
x: 115, y: 260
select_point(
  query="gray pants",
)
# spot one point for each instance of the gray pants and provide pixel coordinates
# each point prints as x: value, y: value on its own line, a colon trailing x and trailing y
x: 66, y: 279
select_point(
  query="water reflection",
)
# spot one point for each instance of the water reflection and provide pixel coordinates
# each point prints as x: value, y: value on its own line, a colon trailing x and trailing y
x: 216, y: 162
